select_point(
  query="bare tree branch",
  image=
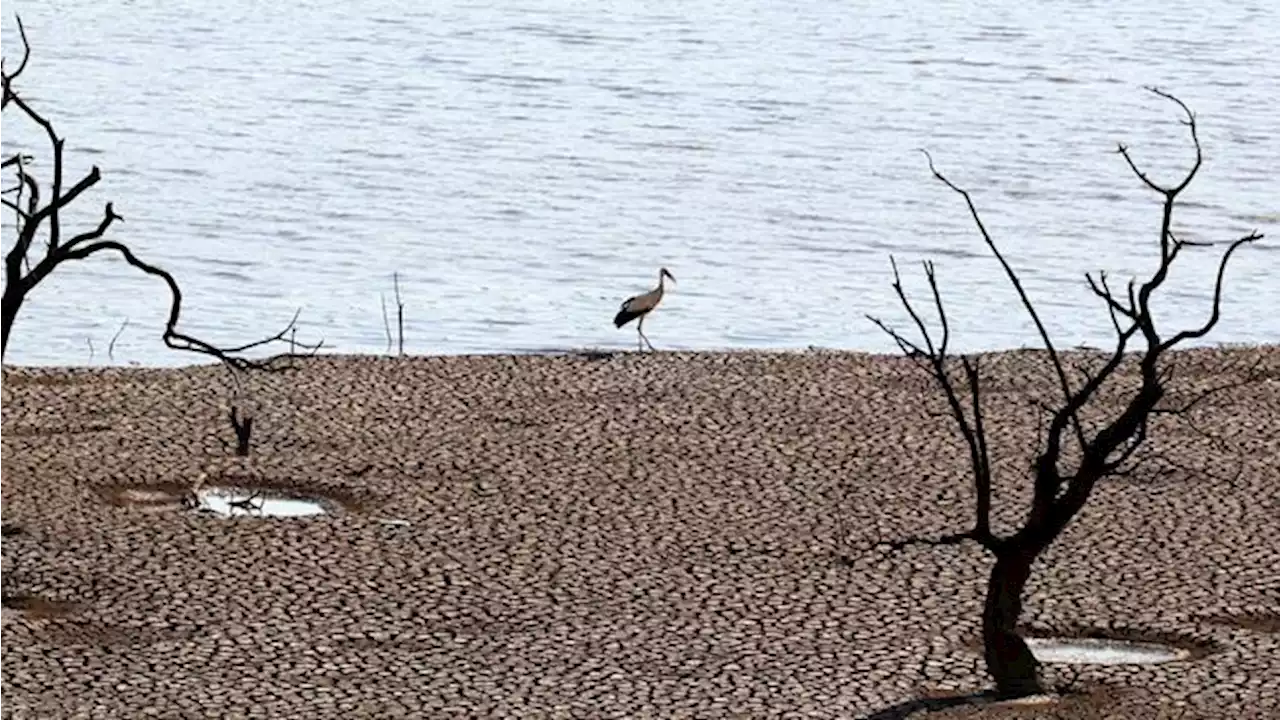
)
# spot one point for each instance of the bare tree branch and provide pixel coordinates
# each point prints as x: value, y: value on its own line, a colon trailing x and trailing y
x: 1190, y: 122
x: 18, y: 211
x: 24, y: 271
x: 16, y: 159
x: 172, y: 337
x: 933, y: 356
x: 1017, y: 285
x: 1103, y: 290
x: 1217, y: 296
x: 26, y: 55
x: 942, y: 313
x: 982, y: 475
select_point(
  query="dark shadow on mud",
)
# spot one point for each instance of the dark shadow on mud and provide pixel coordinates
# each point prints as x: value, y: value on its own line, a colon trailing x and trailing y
x: 905, y: 709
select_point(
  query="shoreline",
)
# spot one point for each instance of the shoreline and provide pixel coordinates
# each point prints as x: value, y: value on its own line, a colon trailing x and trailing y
x: 617, y: 352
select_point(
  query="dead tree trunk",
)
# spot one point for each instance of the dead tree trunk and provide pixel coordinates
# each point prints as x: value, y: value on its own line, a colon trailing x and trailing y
x: 25, y: 267
x: 243, y: 428
x: 12, y: 300
x: 1008, y: 658
x: 1063, y: 481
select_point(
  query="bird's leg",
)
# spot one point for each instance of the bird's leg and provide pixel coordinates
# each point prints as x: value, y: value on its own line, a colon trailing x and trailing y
x: 645, y: 338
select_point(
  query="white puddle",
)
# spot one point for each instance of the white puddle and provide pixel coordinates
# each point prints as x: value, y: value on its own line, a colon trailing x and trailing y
x: 236, y: 502
x: 1087, y: 651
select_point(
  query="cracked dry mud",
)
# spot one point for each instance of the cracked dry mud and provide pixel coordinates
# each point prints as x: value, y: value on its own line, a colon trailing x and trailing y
x: 625, y: 536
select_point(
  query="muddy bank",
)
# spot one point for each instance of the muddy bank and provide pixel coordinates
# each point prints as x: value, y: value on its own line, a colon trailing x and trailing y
x: 625, y: 535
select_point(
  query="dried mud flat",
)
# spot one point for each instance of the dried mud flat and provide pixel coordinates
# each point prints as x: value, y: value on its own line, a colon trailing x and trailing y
x: 666, y: 535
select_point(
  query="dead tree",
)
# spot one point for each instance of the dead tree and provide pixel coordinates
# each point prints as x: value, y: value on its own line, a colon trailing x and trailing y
x: 26, y: 266
x: 1073, y: 456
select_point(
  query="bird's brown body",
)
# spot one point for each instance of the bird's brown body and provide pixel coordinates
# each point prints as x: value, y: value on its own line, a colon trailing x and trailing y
x: 640, y: 306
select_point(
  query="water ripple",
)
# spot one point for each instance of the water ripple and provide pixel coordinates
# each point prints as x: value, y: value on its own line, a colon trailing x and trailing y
x: 504, y: 159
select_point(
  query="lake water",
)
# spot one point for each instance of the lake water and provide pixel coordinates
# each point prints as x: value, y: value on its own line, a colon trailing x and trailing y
x: 525, y: 167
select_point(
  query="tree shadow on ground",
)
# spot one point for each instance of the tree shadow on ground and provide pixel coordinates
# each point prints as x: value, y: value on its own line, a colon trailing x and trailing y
x: 1079, y: 702
x: 907, y: 708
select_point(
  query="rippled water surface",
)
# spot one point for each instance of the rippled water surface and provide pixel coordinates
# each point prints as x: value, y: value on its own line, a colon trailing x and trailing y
x: 525, y: 167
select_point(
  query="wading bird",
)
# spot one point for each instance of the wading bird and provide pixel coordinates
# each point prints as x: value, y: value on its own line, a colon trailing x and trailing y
x: 641, y: 305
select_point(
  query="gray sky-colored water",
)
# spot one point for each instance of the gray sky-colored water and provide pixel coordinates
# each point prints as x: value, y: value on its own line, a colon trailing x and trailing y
x: 526, y: 169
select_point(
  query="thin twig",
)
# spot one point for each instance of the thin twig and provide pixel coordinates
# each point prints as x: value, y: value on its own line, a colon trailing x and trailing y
x: 386, y: 322
x: 111, y: 347
x: 395, y: 279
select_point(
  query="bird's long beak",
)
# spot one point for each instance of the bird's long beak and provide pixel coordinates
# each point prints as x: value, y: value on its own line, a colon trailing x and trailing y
x: 670, y: 277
